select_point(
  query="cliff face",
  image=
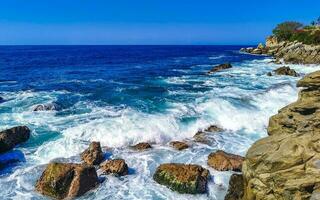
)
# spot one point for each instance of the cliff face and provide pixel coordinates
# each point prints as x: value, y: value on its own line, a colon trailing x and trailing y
x: 286, y: 164
x: 290, y: 52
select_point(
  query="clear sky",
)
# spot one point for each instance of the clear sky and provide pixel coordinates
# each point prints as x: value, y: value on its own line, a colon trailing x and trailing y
x: 147, y: 21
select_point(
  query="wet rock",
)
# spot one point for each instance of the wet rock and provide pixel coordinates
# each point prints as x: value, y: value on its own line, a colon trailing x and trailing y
x: 183, y: 178
x: 179, y: 145
x: 286, y: 71
x: 141, y: 146
x: 67, y: 180
x: 213, y: 128
x: 223, y: 161
x: 116, y: 166
x: 11, y: 137
x: 202, y: 137
x: 46, y: 107
x: 236, y: 188
x: 220, y: 67
x: 286, y: 164
x: 269, y: 74
x: 93, y: 155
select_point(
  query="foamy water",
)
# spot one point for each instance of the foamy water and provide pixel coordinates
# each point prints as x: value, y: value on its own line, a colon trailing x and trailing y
x: 240, y: 100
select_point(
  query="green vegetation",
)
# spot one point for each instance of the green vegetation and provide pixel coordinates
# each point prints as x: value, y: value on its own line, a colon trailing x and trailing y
x: 295, y: 31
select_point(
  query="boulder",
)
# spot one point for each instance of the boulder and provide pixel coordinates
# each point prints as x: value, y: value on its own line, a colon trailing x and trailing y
x: 213, y: 128
x: 46, y: 107
x: 269, y: 74
x: 183, y: 178
x: 220, y: 67
x: 236, y: 188
x: 141, y: 146
x: 223, y: 161
x: 11, y: 137
x: 179, y: 145
x: 93, y: 155
x: 116, y: 166
x: 202, y: 137
x: 286, y: 164
x: 286, y: 71
x: 67, y: 180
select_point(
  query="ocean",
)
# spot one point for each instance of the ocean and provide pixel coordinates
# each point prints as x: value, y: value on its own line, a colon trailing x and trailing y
x: 122, y: 95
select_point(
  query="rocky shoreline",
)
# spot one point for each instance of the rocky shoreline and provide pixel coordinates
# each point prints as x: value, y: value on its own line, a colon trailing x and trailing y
x: 287, y: 52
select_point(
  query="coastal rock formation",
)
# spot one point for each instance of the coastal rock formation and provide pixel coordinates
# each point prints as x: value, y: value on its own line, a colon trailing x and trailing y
x: 223, y: 161
x: 286, y: 71
x: 220, y: 67
x: 235, y: 191
x: 183, y: 178
x: 213, y: 128
x: 179, y: 145
x: 67, y: 180
x: 289, y: 52
x: 11, y: 137
x: 285, y: 165
x: 141, y: 146
x: 46, y: 107
x: 93, y: 155
x: 116, y: 166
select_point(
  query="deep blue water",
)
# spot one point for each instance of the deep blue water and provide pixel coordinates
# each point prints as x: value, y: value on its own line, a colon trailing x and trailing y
x: 122, y: 95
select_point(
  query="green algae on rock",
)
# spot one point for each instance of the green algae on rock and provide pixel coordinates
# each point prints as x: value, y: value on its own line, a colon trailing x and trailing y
x: 67, y: 180
x: 183, y: 178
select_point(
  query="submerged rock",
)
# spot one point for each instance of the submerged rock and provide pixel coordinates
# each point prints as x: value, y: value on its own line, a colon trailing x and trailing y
x: 183, y: 178
x: 1, y: 100
x: 179, y: 145
x: 220, y: 67
x: 223, y: 161
x: 11, y: 137
x: 236, y: 188
x: 93, y: 155
x: 141, y: 146
x: 116, y: 166
x: 67, y: 180
x: 286, y: 71
x: 286, y: 164
x: 46, y: 107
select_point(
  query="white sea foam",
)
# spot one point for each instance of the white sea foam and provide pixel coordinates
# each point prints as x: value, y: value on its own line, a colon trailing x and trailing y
x: 241, y: 103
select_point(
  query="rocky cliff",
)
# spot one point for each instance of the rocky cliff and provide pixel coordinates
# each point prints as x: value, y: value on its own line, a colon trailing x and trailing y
x: 286, y: 164
x: 289, y: 52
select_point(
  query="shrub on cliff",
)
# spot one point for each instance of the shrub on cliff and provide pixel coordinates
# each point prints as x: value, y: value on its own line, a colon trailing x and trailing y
x: 285, y: 30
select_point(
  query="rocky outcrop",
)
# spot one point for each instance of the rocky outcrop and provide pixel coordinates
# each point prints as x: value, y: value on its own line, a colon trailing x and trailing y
x: 11, y: 137
x: 46, y: 107
x: 183, y: 178
x: 141, y: 146
x: 179, y: 145
x: 223, y: 161
x: 286, y: 71
x: 213, y: 128
x: 116, y: 166
x: 289, y: 52
x: 93, y: 155
x: 67, y: 180
x: 286, y: 165
x: 220, y: 67
x: 235, y: 191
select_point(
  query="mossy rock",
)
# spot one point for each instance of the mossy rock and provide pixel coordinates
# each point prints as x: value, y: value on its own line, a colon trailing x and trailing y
x: 66, y: 180
x: 183, y: 178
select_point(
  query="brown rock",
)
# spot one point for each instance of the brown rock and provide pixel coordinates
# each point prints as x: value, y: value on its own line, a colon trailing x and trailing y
x: 220, y: 67
x: 11, y: 137
x: 141, y: 146
x: 285, y: 71
x: 183, y: 178
x: 236, y: 188
x: 67, y: 180
x: 117, y: 166
x: 93, y: 155
x: 179, y: 145
x: 213, y: 128
x: 223, y: 161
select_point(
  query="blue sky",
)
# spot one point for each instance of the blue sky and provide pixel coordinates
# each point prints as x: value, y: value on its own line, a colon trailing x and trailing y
x: 147, y: 21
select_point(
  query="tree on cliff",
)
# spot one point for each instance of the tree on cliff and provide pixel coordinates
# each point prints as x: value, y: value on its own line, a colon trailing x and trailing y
x: 285, y: 30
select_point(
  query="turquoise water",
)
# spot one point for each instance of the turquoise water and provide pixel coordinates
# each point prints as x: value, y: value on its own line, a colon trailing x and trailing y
x: 122, y: 95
